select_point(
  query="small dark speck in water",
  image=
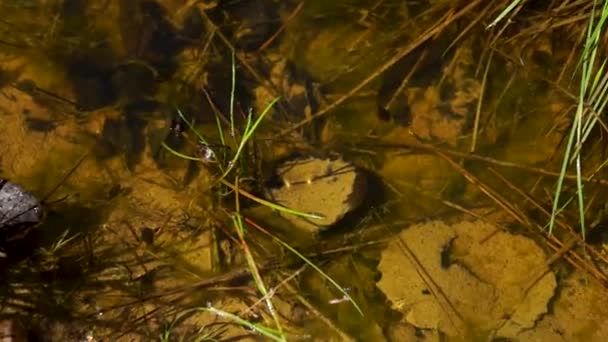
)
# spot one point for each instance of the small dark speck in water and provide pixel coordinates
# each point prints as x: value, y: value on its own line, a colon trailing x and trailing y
x: 117, y: 190
x: 40, y: 125
x: 446, y: 258
x: 446, y: 91
x: 178, y: 126
x: 192, y: 171
x: 147, y: 235
x: 27, y: 86
x: 598, y: 235
x: 7, y: 77
x: 193, y: 25
x: 113, y: 137
x: 142, y: 105
x: 383, y: 114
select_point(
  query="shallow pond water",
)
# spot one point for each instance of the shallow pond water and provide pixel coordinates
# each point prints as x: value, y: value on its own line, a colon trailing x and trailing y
x: 109, y: 115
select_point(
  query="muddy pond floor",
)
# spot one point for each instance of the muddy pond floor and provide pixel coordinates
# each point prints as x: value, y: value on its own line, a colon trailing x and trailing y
x: 295, y: 170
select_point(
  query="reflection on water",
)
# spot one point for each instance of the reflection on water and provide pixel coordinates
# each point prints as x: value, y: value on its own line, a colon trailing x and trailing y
x: 452, y: 122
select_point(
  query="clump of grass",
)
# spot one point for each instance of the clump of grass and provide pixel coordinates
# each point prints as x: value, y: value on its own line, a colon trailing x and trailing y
x: 229, y: 179
x: 592, y: 100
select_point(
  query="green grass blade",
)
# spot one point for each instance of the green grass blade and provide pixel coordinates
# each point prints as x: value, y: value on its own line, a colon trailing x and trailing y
x: 253, y: 269
x: 258, y: 328
x: 270, y: 204
x: 593, y: 93
x: 313, y: 266
x: 262, y: 330
x: 178, y: 154
x: 323, y: 274
x: 220, y: 130
x: 249, y: 130
x: 191, y: 126
x: 560, y: 180
x: 232, y: 90
x: 504, y: 13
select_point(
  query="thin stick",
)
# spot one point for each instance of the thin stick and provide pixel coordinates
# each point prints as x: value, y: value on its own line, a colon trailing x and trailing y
x: 561, y: 248
x: 440, y: 296
x: 480, y: 102
x: 469, y: 156
x: 558, y: 222
x: 282, y: 28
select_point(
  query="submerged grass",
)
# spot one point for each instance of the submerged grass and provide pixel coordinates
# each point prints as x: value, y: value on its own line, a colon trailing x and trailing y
x: 228, y: 167
x: 592, y: 99
x: 240, y: 228
x: 203, y: 335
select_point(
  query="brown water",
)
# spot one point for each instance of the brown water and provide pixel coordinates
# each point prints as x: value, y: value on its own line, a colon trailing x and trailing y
x: 137, y: 246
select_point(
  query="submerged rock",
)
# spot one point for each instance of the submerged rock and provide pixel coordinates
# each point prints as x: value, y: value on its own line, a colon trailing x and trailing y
x: 19, y: 209
x: 330, y: 187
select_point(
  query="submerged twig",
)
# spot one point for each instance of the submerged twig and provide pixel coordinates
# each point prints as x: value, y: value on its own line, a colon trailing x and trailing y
x: 561, y: 248
x: 442, y: 299
x: 470, y: 156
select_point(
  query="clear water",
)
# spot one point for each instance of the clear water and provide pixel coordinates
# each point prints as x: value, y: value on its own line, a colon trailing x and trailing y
x: 135, y: 237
